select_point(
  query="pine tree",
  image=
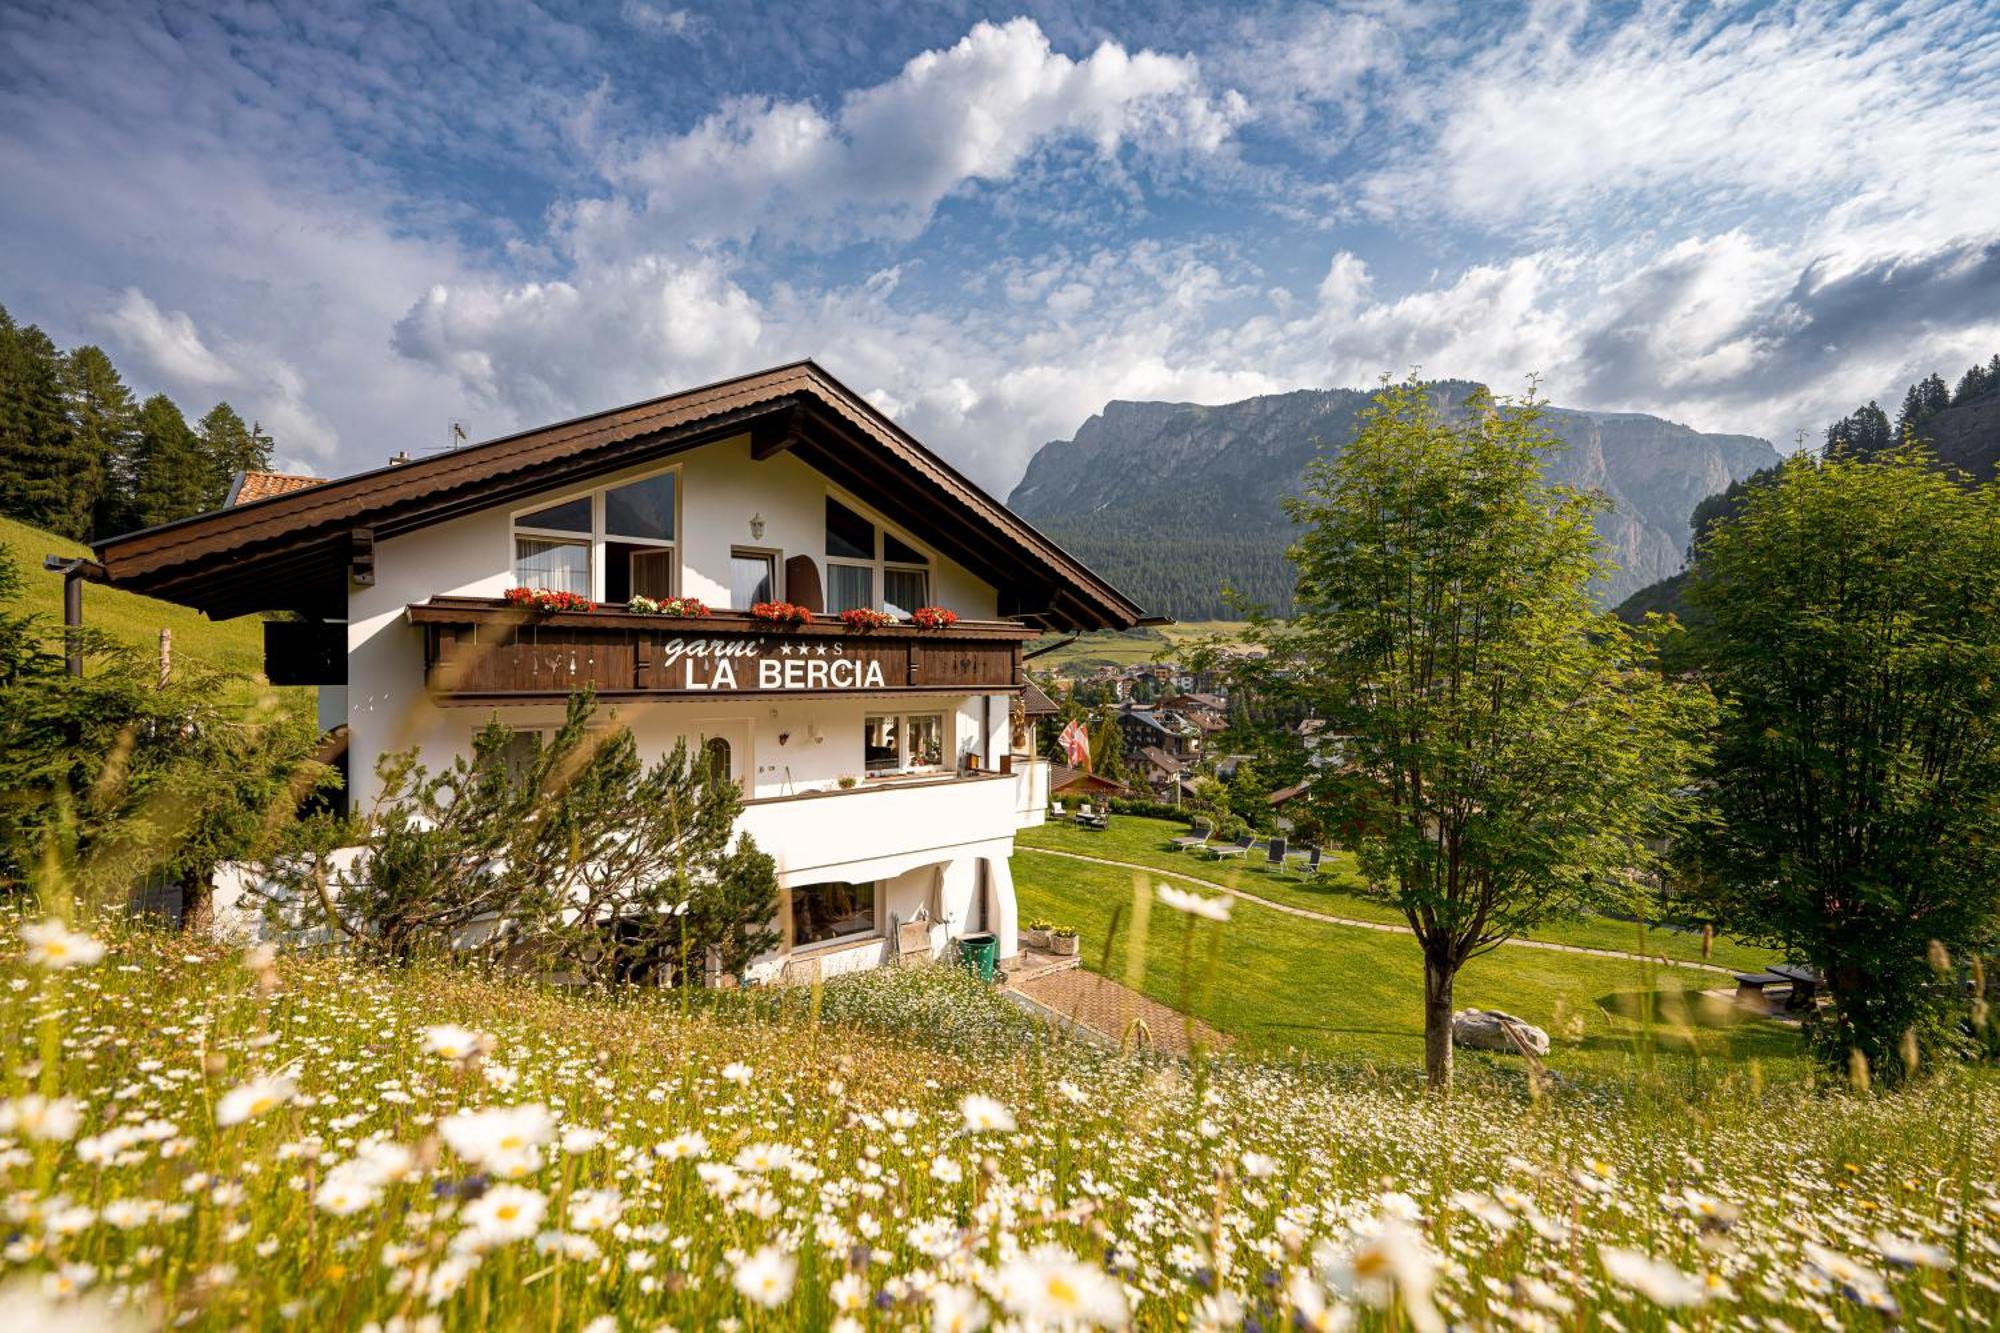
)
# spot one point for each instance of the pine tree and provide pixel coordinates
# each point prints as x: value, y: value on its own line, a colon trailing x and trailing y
x: 106, y: 420
x: 43, y: 480
x: 230, y: 447
x: 1864, y: 434
x: 1107, y: 750
x: 173, y: 474
x: 1976, y: 382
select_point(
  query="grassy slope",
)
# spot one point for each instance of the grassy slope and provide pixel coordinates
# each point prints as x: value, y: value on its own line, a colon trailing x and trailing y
x: 232, y: 645
x: 229, y: 1235
x: 1338, y: 892
x: 1111, y: 649
x: 1278, y: 982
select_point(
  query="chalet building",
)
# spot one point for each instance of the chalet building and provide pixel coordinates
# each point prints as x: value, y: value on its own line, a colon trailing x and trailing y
x: 1141, y: 726
x: 886, y: 770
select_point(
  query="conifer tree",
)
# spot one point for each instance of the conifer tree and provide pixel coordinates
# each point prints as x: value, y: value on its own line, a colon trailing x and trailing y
x: 43, y: 480
x: 173, y: 475
x: 1107, y: 750
x: 105, y: 417
x: 230, y: 447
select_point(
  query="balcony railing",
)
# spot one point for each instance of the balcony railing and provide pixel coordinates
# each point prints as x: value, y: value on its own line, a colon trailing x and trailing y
x: 484, y: 651
x: 876, y: 829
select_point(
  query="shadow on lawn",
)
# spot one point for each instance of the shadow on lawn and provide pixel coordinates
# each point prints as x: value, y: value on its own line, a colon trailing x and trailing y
x: 1691, y: 1020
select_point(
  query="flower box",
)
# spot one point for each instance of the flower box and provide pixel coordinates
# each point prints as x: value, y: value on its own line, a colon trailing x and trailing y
x: 672, y: 607
x: 781, y: 613
x: 933, y: 617
x: 1064, y: 943
x: 547, y: 601
x: 861, y: 619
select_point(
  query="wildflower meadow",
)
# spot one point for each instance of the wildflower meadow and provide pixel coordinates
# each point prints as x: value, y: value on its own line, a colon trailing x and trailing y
x: 196, y: 1136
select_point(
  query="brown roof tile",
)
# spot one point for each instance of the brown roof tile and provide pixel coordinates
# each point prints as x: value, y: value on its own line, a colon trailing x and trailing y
x: 253, y: 486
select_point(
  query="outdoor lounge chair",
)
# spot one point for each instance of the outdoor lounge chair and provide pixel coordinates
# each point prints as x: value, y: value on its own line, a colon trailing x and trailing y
x: 1312, y: 858
x: 1196, y: 840
x: 1241, y: 847
x: 1274, y: 855
x: 1056, y: 810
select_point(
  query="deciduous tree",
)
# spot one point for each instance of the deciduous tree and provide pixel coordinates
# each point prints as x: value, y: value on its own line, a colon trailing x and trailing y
x: 1852, y: 627
x: 1511, y: 754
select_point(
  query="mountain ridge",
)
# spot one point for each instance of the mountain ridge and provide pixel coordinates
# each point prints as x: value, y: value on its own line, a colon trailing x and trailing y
x: 1212, y: 475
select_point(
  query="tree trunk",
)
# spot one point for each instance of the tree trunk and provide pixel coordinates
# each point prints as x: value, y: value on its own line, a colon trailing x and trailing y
x: 1438, y: 979
x: 197, y: 904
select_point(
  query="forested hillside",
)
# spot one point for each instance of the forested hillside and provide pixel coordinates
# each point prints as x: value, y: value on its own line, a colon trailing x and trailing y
x: 1961, y: 425
x: 81, y: 457
x: 1175, y: 501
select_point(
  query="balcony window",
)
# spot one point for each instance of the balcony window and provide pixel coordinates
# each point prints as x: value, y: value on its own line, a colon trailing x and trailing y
x: 824, y: 912
x: 904, y: 590
x: 862, y: 558
x: 610, y: 544
x: 903, y: 743
x: 552, y: 563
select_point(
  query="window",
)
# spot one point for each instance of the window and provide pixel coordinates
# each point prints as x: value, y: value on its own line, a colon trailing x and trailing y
x: 753, y: 578
x: 848, y: 535
x: 881, y: 746
x: 904, y: 590
x: 822, y: 912
x: 716, y: 751
x: 611, y: 544
x: 523, y: 747
x: 643, y: 509
x: 650, y: 574
x: 902, y: 743
x: 859, y: 557
x: 560, y: 566
x: 849, y: 586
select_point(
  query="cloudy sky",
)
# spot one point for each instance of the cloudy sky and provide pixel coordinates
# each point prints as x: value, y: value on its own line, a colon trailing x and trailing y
x: 360, y: 223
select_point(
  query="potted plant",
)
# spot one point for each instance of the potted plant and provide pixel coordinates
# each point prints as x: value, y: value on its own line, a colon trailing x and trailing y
x: 781, y: 613
x: 861, y: 619
x: 1063, y: 941
x: 547, y: 601
x: 933, y: 617
x: 1036, y: 934
x: 847, y: 781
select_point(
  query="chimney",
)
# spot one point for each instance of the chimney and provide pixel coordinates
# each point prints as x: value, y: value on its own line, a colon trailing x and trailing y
x: 400, y: 457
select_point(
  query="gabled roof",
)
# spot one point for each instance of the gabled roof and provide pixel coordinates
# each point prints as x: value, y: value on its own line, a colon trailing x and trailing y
x: 1064, y: 778
x: 291, y: 551
x: 246, y: 487
x: 1035, y: 701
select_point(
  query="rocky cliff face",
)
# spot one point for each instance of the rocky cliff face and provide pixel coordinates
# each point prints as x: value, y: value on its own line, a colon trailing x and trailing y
x: 1171, y: 500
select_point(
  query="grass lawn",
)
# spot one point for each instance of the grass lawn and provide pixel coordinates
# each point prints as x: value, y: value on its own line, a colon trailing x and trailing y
x: 232, y: 645
x: 1278, y: 982
x: 1337, y: 892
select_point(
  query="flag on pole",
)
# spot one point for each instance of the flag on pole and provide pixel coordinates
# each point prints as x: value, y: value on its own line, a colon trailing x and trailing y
x: 1075, y: 741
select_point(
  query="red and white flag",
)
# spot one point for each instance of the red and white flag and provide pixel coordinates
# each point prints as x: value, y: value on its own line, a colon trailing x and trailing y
x: 1075, y: 741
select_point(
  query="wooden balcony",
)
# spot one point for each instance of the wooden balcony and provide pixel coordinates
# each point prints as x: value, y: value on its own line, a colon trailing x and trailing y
x: 483, y: 651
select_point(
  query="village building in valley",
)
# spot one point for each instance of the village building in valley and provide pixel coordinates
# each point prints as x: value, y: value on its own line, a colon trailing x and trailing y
x: 884, y: 766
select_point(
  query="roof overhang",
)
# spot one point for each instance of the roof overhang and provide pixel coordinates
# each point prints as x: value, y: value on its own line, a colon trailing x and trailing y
x: 292, y: 552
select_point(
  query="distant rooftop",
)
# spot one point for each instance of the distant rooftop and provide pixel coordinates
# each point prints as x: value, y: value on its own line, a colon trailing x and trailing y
x: 248, y: 486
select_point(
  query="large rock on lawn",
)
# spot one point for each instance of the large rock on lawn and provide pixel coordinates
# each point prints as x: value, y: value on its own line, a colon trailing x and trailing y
x: 1482, y: 1030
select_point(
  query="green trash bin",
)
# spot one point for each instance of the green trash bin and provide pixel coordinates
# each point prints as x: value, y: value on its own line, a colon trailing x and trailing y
x: 980, y: 952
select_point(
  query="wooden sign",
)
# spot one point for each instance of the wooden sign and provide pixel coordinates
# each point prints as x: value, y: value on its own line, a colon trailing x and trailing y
x: 480, y: 662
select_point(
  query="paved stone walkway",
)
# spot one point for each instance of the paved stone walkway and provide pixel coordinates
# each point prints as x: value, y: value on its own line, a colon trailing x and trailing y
x: 1355, y: 924
x: 1116, y: 1012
